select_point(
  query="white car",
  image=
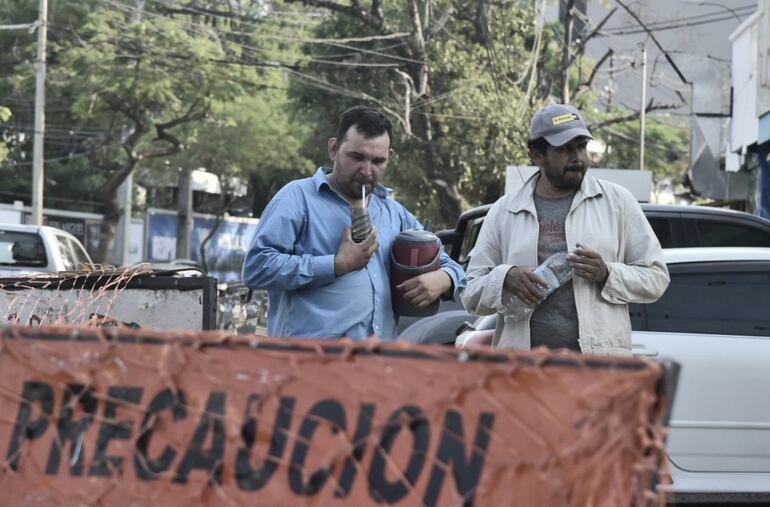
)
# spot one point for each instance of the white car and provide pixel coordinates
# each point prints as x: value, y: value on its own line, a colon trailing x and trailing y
x: 26, y: 249
x: 714, y: 320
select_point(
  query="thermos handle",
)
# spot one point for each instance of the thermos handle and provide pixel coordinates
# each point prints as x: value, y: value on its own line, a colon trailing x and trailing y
x: 413, y: 268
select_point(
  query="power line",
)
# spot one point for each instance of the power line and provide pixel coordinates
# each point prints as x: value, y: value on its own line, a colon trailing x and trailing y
x: 652, y: 37
x: 56, y: 159
x: 309, y: 59
x: 673, y: 26
x: 744, y: 10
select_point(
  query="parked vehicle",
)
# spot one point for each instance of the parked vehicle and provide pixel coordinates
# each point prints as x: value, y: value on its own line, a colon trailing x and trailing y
x: 714, y: 320
x: 675, y: 226
x: 28, y: 249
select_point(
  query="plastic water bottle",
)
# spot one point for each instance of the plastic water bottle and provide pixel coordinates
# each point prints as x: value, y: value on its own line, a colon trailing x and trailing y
x: 555, y: 271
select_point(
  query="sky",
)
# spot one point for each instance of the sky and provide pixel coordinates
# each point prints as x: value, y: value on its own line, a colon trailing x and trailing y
x: 694, y: 33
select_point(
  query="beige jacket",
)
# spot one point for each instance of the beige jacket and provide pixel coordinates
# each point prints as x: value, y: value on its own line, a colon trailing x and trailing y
x: 604, y: 217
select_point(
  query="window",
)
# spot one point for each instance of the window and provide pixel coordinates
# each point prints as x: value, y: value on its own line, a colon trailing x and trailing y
x: 22, y: 249
x: 78, y: 254
x: 728, y: 234
x: 68, y: 257
x: 469, y: 241
x: 662, y: 229
x: 714, y: 301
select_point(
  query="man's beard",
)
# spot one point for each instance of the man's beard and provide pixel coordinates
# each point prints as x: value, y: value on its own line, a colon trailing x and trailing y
x: 567, y: 182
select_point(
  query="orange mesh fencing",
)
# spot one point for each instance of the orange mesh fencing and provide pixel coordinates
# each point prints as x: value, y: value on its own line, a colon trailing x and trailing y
x: 130, y: 418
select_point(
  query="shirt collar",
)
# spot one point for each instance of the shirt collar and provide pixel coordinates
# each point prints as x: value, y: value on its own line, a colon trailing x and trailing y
x: 523, y: 199
x: 319, y: 179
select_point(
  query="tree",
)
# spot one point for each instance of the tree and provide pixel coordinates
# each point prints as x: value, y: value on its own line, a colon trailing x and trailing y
x: 248, y: 139
x: 67, y: 173
x: 452, y: 73
x: 139, y: 80
x: 666, y: 147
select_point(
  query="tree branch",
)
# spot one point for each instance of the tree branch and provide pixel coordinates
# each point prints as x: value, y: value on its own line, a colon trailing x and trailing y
x: 419, y: 46
x: 590, y: 36
x: 197, y: 11
x: 587, y: 85
x: 353, y: 10
x: 652, y: 37
x: 632, y: 116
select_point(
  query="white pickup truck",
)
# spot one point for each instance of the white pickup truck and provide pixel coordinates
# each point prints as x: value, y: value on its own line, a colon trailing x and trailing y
x: 28, y: 249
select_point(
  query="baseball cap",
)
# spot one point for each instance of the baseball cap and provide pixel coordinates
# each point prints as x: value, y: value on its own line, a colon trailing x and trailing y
x: 558, y: 124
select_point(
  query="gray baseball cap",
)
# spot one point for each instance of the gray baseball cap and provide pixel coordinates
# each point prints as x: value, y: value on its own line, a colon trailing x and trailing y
x: 558, y: 124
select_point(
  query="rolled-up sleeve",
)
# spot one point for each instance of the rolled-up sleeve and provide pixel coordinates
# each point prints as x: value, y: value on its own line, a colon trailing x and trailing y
x: 270, y: 261
x: 486, y: 272
x: 642, y: 277
x: 455, y: 272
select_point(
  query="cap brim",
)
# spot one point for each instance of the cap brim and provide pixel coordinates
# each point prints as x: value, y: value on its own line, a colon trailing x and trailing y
x: 563, y: 138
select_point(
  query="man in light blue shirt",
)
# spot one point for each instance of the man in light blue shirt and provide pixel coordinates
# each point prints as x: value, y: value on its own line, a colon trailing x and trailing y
x: 320, y: 283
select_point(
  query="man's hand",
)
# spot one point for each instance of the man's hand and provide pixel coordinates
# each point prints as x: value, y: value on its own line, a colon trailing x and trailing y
x: 523, y: 283
x: 422, y: 290
x: 588, y: 264
x: 351, y: 255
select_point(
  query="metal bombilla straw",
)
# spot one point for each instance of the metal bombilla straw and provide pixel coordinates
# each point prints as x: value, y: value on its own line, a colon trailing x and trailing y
x: 361, y: 226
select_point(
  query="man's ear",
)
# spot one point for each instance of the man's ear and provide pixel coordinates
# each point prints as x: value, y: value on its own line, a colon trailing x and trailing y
x: 333, y: 148
x: 535, y: 156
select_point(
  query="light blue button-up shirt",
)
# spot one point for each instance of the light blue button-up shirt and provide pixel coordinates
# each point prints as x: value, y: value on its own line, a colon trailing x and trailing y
x: 292, y: 256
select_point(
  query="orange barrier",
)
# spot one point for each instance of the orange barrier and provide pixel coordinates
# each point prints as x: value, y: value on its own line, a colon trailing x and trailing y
x: 127, y: 418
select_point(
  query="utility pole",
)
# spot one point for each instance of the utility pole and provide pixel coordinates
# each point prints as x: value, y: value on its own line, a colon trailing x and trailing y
x: 184, y: 220
x: 37, y: 150
x: 184, y: 214
x: 569, y: 21
x: 610, y: 82
x: 643, y: 107
x: 122, y: 247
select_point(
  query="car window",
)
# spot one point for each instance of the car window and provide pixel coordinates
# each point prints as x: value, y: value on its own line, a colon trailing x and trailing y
x: 68, y: 256
x: 22, y: 249
x: 714, y: 302
x: 714, y: 233
x: 78, y: 254
x: 662, y: 229
x: 469, y: 240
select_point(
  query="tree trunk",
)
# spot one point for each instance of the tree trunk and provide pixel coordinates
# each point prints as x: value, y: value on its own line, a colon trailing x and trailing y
x: 441, y: 173
x: 107, y: 229
x: 449, y: 201
x: 569, y: 20
x: 202, y: 248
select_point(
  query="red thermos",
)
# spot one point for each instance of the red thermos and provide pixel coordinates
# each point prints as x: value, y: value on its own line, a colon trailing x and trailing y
x: 412, y: 253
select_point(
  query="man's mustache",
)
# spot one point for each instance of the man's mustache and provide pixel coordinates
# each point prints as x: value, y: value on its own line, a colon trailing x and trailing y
x: 575, y: 167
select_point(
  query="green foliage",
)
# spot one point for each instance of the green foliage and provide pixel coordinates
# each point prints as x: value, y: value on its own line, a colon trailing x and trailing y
x: 468, y: 125
x: 251, y: 139
x: 115, y: 73
x: 256, y: 95
x: 666, y: 146
x: 154, y: 70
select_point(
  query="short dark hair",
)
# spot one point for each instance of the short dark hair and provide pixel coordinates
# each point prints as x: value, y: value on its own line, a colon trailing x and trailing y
x: 539, y: 145
x: 367, y: 120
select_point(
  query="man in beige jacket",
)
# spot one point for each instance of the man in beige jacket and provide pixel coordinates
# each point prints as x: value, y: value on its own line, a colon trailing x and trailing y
x: 614, y: 254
